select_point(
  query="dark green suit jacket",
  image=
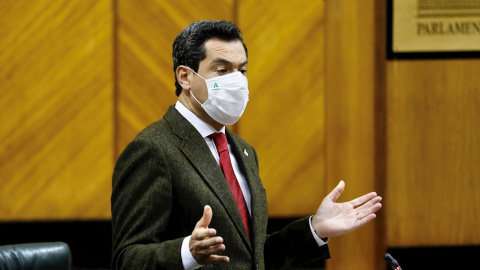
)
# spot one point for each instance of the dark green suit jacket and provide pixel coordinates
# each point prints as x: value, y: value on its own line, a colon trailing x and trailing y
x: 161, y: 183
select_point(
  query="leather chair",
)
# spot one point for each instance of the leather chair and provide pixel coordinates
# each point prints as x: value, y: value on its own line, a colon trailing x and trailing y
x: 36, y: 256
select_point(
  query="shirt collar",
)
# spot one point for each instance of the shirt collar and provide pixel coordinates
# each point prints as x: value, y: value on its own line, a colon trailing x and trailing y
x: 201, y: 126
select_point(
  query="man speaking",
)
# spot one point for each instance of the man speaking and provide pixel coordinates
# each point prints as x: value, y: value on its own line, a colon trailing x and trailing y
x: 187, y: 192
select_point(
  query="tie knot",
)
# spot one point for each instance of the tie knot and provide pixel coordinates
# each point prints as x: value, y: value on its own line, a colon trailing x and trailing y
x: 220, y: 140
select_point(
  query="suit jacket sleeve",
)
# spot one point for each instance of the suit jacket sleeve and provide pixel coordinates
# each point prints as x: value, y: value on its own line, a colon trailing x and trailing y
x: 293, y: 246
x: 141, y: 209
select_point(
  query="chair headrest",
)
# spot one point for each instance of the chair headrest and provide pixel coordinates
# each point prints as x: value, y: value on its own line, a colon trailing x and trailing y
x: 50, y: 255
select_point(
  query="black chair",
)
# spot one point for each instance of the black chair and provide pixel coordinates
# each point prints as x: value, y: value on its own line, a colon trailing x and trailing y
x: 36, y: 256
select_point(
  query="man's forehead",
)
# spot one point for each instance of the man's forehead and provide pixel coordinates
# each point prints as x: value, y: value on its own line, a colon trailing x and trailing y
x: 232, y: 51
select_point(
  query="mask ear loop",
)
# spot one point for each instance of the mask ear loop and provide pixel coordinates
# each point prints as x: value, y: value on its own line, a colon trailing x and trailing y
x: 191, y: 92
x: 196, y: 73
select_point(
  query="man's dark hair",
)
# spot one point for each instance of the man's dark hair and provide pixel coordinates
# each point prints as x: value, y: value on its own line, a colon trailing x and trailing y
x: 189, y: 46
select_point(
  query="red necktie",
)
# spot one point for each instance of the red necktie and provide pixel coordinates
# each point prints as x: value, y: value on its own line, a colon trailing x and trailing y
x: 226, y: 165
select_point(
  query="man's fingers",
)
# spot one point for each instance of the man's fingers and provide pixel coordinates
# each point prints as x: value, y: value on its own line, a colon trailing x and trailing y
x: 205, y: 251
x: 369, y: 204
x: 363, y: 199
x: 211, y: 250
x: 215, y: 259
x: 362, y: 213
x: 337, y: 191
x: 201, y: 230
x: 200, y: 233
x: 203, y: 245
x: 375, y: 208
x: 209, y: 242
x: 206, y: 218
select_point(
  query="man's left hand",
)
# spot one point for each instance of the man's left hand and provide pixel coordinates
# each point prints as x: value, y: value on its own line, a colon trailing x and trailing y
x: 333, y: 219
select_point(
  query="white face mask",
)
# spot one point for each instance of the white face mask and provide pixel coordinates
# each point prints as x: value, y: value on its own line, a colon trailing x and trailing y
x: 227, y: 97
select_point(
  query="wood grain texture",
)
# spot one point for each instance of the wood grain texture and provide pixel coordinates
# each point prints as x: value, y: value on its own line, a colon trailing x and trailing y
x: 146, y: 80
x: 433, y: 189
x: 56, y: 139
x: 284, y: 119
x: 73, y: 95
x: 350, y: 123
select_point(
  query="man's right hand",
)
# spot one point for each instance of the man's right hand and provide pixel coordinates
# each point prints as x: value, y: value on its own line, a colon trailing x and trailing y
x: 204, y: 245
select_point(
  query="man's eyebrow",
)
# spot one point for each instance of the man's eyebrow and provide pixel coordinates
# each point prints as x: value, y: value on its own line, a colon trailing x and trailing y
x: 225, y: 61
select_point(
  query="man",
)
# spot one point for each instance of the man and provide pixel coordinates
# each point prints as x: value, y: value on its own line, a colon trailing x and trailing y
x: 185, y: 196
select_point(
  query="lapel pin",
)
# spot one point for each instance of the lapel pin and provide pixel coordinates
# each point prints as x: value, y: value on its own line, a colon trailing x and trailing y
x: 245, y: 152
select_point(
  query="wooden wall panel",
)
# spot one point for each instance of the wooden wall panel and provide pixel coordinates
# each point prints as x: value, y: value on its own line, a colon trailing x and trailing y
x: 407, y: 128
x: 284, y: 119
x: 145, y: 77
x: 351, y: 74
x: 56, y: 137
x: 433, y: 189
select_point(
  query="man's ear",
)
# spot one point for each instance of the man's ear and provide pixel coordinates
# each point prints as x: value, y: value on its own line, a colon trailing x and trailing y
x: 183, y: 77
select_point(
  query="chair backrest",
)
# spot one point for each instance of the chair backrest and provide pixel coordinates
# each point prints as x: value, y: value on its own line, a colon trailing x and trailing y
x: 36, y: 256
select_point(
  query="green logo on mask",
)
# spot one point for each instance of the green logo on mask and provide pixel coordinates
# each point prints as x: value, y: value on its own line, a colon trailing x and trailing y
x: 215, y: 85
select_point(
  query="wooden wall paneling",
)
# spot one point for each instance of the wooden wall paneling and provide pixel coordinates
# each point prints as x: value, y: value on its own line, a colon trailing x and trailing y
x: 56, y: 138
x: 350, y: 124
x: 145, y: 80
x: 433, y: 185
x: 284, y: 119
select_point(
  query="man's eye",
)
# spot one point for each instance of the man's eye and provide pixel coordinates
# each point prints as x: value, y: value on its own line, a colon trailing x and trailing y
x: 244, y: 72
x: 222, y: 71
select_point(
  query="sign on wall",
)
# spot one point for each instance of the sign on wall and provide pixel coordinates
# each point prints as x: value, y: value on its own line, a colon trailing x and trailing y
x: 419, y: 28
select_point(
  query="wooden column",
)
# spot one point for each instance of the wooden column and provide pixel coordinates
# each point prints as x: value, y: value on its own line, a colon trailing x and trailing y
x: 285, y: 117
x: 352, y: 140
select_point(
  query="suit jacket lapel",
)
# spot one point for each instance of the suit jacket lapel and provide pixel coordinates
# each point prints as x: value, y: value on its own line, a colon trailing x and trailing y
x: 197, y: 151
x: 248, y: 164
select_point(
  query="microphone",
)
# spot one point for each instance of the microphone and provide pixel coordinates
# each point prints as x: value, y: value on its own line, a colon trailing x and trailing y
x: 391, y: 262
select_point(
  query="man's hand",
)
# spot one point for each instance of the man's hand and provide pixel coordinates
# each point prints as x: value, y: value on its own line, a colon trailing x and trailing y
x: 204, y: 245
x: 333, y: 219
